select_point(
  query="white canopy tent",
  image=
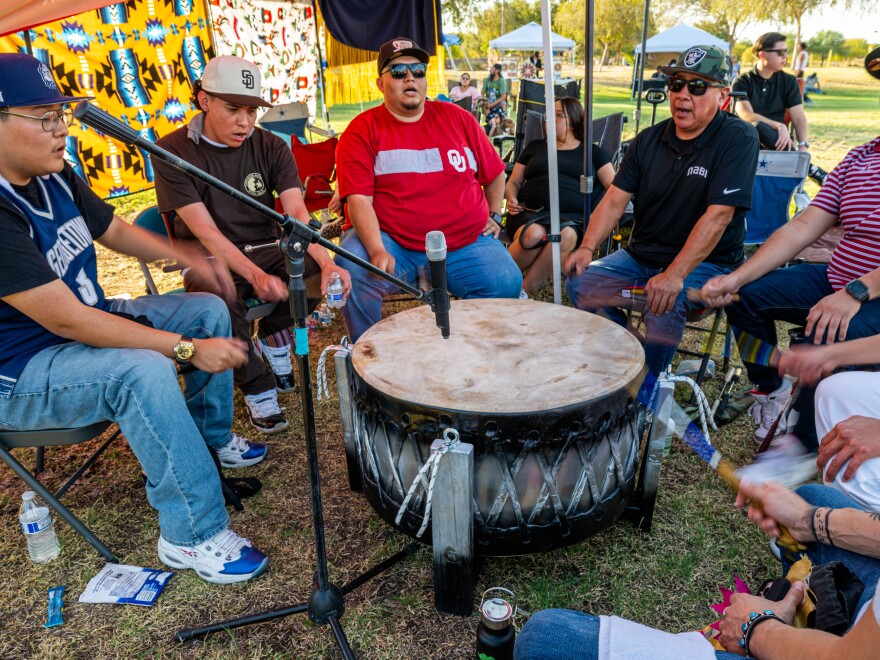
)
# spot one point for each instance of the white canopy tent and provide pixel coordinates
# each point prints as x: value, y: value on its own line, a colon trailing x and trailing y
x: 669, y: 44
x: 529, y: 37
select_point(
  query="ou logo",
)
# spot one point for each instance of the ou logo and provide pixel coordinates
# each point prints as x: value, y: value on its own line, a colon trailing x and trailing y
x: 456, y: 160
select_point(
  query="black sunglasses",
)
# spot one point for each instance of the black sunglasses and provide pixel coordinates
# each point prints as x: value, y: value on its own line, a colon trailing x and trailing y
x: 696, y: 87
x: 780, y: 51
x: 418, y: 70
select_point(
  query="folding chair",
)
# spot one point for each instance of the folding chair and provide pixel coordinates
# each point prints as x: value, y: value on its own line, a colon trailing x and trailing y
x: 779, y: 175
x: 40, y: 439
x: 316, y: 164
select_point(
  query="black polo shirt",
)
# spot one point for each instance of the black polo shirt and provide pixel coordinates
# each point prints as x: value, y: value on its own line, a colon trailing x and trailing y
x: 674, y: 182
x: 770, y: 98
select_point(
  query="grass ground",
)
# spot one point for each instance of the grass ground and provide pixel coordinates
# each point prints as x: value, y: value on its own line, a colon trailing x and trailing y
x: 666, y: 578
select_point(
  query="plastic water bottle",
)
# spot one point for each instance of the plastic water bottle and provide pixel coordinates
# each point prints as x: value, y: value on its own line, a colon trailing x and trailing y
x: 39, y: 530
x: 334, y: 292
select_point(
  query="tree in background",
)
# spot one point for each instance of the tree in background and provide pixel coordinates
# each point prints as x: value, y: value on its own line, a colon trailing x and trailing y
x: 726, y: 19
x: 618, y: 25
x: 825, y: 43
x: 792, y: 12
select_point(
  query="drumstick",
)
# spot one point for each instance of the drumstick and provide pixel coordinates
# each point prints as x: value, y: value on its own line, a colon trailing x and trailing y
x: 693, y: 437
x: 696, y: 296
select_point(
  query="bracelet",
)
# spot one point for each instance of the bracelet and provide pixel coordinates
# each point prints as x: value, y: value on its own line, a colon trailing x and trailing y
x: 748, y: 628
x: 813, y: 521
x: 820, y: 525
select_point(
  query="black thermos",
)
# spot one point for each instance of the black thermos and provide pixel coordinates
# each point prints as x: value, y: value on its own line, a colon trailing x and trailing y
x: 495, y: 632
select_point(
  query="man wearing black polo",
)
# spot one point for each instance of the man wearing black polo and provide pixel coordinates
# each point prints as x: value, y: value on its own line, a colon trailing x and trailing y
x: 690, y: 178
x: 771, y: 92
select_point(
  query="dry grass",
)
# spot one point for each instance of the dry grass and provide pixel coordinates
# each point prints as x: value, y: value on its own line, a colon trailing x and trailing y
x: 666, y: 578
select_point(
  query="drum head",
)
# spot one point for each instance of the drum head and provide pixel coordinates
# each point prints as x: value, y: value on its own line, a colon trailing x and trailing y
x: 502, y: 356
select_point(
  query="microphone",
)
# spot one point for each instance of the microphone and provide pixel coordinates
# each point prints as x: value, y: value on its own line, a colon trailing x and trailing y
x: 435, y: 248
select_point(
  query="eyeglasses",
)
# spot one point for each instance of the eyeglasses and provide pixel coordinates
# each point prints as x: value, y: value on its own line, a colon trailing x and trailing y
x: 780, y: 51
x: 49, y: 119
x: 696, y: 87
x: 417, y: 69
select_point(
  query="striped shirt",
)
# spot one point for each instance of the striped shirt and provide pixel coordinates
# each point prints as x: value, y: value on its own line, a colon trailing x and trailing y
x: 852, y: 193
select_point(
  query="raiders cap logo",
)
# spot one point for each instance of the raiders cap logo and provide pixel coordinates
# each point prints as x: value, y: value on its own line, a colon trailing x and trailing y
x: 693, y: 57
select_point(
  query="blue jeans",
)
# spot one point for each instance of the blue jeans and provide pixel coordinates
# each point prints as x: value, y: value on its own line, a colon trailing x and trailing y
x: 483, y: 269
x: 564, y: 634
x: 598, y: 290
x: 788, y: 294
x: 74, y: 385
x: 867, y: 569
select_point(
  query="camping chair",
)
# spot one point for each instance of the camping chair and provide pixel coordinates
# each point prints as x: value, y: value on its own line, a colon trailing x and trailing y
x: 163, y: 225
x: 316, y: 164
x: 41, y: 439
x: 779, y: 175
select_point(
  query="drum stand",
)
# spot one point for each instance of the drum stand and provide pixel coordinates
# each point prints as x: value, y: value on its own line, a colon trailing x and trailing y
x: 327, y: 602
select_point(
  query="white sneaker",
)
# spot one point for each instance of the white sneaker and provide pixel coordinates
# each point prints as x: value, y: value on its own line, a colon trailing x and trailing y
x: 239, y: 453
x: 224, y: 559
x: 787, y: 461
x: 265, y: 413
x: 278, y: 358
x: 767, y: 407
x: 523, y: 295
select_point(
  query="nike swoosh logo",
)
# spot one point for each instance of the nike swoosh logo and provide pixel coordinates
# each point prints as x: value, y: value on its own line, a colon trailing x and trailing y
x: 727, y: 192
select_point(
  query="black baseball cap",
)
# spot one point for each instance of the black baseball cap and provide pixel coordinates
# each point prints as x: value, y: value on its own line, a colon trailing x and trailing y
x: 872, y: 63
x: 400, y: 47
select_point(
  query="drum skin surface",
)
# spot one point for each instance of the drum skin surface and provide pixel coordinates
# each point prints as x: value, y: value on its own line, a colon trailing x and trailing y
x: 545, y: 394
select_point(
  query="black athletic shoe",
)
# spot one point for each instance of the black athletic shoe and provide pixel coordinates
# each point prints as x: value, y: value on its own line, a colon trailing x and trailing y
x: 285, y: 383
x: 264, y: 412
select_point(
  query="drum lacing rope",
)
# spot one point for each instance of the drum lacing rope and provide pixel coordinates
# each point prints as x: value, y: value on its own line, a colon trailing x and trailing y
x: 321, y: 371
x: 703, y: 406
x: 450, y: 440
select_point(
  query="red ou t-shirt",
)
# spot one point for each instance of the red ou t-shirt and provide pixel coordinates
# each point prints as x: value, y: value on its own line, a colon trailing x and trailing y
x: 423, y: 176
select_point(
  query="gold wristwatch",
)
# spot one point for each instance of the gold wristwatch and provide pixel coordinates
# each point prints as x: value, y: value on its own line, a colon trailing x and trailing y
x: 185, y: 350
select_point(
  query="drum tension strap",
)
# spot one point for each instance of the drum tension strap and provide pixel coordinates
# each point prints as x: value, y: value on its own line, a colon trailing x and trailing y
x: 553, y: 238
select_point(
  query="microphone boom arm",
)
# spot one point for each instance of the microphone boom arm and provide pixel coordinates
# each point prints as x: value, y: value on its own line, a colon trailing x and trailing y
x: 101, y: 121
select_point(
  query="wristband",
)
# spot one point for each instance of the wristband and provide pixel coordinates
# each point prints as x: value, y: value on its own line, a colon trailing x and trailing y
x: 820, y: 525
x: 748, y: 628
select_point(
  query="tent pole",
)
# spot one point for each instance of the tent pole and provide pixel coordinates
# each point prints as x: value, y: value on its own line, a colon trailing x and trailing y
x: 550, y: 110
x: 641, y: 71
x: 28, y: 46
x: 321, y: 86
x: 587, y: 182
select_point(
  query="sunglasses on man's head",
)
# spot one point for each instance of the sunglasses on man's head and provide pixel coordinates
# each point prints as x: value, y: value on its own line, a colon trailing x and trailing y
x: 418, y: 69
x: 696, y: 87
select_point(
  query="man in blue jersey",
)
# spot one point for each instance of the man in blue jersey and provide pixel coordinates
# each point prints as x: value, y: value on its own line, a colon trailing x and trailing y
x: 70, y: 357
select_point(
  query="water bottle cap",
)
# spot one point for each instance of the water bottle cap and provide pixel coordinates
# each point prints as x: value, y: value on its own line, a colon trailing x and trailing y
x: 28, y: 495
x: 496, y: 613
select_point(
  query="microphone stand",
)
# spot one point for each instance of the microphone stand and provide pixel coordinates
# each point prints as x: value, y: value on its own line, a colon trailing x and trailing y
x: 326, y: 604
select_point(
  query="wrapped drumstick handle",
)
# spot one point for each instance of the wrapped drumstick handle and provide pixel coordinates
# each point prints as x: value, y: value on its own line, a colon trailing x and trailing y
x: 696, y: 296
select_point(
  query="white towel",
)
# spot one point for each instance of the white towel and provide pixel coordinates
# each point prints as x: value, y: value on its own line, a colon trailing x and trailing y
x: 622, y: 639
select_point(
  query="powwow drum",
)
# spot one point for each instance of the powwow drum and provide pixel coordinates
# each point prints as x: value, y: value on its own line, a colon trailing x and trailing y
x: 544, y: 393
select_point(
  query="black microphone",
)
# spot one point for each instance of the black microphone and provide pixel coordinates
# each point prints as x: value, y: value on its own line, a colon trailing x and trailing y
x: 435, y: 248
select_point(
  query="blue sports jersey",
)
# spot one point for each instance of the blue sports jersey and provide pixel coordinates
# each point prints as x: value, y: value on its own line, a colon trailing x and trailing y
x: 63, y: 238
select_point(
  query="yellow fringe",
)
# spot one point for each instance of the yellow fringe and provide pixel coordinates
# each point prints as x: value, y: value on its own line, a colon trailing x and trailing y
x: 351, y: 74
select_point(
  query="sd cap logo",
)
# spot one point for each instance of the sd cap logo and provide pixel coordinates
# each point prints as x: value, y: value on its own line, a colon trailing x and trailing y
x: 400, y: 44
x: 693, y: 57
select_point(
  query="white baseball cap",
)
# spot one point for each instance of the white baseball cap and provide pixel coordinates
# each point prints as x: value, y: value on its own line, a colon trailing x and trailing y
x: 233, y: 80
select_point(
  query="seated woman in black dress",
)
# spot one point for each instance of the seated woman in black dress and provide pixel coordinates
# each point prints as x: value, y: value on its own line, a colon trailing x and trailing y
x: 528, y: 195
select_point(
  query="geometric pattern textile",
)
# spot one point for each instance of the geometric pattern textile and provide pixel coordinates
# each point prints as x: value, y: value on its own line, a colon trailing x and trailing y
x: 139, y: 60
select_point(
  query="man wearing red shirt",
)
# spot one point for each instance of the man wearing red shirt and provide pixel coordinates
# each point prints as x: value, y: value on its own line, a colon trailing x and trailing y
x: 408, y: 167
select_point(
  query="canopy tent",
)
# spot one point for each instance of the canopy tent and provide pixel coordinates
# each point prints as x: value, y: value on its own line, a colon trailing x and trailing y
x: 18, y: 15
x: 669, y: 44
x: 450, y: 40
x: 529, y: 37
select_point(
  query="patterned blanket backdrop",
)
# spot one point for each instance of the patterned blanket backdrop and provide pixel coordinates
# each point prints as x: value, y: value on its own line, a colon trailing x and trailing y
x: 279, y: 37
x: 139, y: 60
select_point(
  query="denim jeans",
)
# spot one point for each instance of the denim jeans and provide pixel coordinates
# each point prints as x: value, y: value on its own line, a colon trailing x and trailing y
x: 598, y: 289
x: 788, y: 294
x: 866, y: 568
x: 565, y: 634
x: 483, y: 269
x: 75, y: 385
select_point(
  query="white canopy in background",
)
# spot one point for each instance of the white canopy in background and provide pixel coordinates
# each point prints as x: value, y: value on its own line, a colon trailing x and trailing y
x: 679, y: 38
x: 17, y: 15
x: 529, y: 37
